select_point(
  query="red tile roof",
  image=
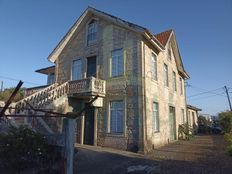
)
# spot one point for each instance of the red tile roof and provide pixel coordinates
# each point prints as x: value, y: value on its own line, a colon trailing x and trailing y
x: 164, y: 36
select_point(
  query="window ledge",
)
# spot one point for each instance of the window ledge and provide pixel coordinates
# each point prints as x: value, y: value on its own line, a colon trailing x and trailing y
x: 120, y: 135
x: 91, y: 44
x: 156, y: 132
x: 115, y: 77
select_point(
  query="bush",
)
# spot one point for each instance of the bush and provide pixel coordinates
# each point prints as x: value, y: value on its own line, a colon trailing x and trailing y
x: 185, y: 131
x: 225, y: 120
x: 228, y: 138
x: 21, y: 149
x: 229, y: 150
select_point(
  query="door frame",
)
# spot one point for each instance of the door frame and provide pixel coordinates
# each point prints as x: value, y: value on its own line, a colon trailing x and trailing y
x: 174, y: 123
x: 87, y: 65
x: 94, y: 129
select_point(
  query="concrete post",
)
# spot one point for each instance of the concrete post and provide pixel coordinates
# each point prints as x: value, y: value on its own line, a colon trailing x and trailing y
x: 69, y: 136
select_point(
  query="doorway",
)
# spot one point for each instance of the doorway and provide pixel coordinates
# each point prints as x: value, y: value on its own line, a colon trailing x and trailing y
x: 91, y: 66
x: 172, y: 123
x: 89, y: 126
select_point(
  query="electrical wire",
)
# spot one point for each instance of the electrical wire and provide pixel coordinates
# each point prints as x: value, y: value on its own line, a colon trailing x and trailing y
x: 12, y: 79
x: 215, y: 95
x: 205, y: 91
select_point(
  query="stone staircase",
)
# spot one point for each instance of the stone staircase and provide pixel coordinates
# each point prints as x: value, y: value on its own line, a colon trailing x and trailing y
x: 39, y: 100
x: 52, y: 96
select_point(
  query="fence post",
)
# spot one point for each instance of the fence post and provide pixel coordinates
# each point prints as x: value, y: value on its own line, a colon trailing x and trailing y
x: 69, y: 137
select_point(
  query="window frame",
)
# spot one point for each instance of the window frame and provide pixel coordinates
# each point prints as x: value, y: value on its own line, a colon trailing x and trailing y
x: 174, y: 81
x: 51, y: 78
x: 181, y: 86
x: 80, y: 76
x: 154, y: 67
x: 170, y: 53
x: 117, y: 73
x: 183, y: 116
x: 155, y: 117
x: 120, y: 132
x: 94, y: 33
x: 166, y: 78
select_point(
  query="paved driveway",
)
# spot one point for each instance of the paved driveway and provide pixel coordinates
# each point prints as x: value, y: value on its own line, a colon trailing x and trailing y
x: 201, y: 155
x: 94, y: 160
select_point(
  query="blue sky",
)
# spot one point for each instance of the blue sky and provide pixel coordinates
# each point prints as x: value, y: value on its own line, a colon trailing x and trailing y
x: 29, y: 31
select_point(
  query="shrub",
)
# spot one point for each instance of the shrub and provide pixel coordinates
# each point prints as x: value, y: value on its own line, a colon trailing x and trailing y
x: 185, y: 131
x: 229, y: 150
x: 21, y: 149
x: 228, y: 138
x: 225, y: 120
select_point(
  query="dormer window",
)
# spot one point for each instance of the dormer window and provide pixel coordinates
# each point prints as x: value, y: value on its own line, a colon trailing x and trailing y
x: 92, y: 32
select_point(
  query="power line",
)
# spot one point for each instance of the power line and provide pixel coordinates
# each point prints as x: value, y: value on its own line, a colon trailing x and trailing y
x: 214, y: 95
x: 206, y: 91
x: 12, y: 79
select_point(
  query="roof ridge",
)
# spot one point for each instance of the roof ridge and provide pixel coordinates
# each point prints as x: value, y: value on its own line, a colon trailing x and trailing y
x: 118, y: 18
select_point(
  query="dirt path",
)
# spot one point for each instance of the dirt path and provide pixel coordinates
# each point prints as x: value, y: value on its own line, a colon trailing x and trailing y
x: 201, y: 155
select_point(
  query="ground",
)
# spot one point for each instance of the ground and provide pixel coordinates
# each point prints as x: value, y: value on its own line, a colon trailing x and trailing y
x: 202, y: 154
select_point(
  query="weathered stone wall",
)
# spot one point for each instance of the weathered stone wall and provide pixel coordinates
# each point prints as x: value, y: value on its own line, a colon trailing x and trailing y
x: 109, y: 37
x: 156, y: 91
x: 121, y: 88
x: 138, y: 128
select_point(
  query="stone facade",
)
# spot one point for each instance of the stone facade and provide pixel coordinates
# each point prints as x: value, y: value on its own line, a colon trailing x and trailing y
x: 165, y: 96
x: 136, y: 87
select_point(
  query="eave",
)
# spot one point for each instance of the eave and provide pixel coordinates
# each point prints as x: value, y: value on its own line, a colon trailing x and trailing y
x: 47, y: 70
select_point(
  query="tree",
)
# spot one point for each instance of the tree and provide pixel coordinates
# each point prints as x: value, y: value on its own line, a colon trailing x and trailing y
x: 5, y: 95
x: 203, y: 125
x: 225, y: 120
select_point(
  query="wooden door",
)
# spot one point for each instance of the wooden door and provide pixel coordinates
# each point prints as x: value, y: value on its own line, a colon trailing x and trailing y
x: 89, y: 127
x: 172, y: 123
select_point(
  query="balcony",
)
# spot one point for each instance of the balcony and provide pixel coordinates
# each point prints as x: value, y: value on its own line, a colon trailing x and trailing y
x: 78, y: 88
x: 87, y: 87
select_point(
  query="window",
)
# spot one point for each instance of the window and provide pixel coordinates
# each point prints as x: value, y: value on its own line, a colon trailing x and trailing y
x: 76, y: 70
x: 51, y: 78
x: 183, y: 116
x: 189, y: 118
x: 155, y: 116
x: 169, y: 54
x: 116, y: 63
x: 174, y: 81
x: 154, y: 66
x: 193, y: 118
x: 165, y: 75
x: 116, y: 116
x: 181, y: 86
x: 92, y: 32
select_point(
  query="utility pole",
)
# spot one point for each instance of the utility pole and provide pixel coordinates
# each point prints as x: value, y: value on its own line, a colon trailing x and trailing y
x: 1, y: 86
x: 228, y: 97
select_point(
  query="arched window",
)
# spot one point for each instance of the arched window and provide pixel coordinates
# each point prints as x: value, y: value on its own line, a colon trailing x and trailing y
x: 92, y: 32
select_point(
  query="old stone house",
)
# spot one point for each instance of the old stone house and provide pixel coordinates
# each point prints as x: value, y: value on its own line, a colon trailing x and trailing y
x: 139, y: 79
x: 193, y: 115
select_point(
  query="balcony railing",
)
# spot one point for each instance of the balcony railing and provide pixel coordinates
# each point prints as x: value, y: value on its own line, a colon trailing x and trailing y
x: 33, y: 90
x: 84, y: 87
x: 89, y: 86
